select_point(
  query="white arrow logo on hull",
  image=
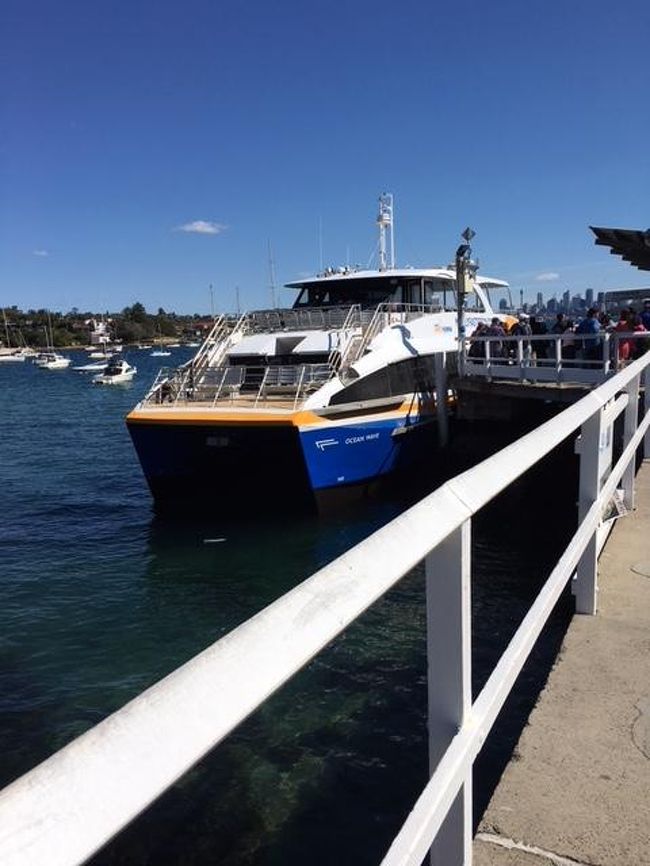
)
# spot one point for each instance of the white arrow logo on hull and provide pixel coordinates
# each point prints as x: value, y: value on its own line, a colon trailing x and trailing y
x: 322, y: 444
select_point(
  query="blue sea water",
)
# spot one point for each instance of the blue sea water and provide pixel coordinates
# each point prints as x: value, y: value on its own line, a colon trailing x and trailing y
x: 101, y: 598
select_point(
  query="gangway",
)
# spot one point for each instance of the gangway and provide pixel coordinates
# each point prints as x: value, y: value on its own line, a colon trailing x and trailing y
x: 64, y: 810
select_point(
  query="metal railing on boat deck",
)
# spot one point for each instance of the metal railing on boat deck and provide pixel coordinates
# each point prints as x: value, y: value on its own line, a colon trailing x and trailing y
x: 333, y: 318
x: 64, y: 810
x: 383, y: 316
x: 257, y: 385
x: 295, y: 319
x: 553, y: 358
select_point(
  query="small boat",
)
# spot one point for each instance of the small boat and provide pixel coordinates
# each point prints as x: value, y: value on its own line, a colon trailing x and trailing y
x: 173, y: 345
x: 97, y: 367
x: 144, y: 346
x: 160, y: 350
x: 9, y: 355
x: 48, y: 359
x: 51, y: 361
x: 13, y: 355
x: 117, y: 372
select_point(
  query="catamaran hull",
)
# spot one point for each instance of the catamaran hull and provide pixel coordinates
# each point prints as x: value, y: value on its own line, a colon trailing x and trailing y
x: 227, y: 467
x: 220, y: 467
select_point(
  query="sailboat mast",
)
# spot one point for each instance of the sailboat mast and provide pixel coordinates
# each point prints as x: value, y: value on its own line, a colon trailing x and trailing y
x: 4, y: 316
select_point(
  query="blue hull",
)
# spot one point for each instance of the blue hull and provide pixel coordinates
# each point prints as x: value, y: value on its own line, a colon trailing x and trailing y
x: 227, y: 467
x: 363, y: 451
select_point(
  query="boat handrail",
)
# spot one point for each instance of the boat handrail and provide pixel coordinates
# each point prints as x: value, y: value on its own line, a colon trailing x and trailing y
x: 384, y: 315
x: 350, y: 330
x: 258, y: 384
x: 296, y: 319
x: 213, y: 338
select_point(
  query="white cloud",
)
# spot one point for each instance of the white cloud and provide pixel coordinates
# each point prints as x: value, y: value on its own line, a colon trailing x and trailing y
x: 547, y: 277
x: 40, y: 253
x: 201, y: 227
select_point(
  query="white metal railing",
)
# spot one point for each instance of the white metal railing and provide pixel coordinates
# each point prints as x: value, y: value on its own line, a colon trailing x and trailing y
x: 384, y: 315
x: 348, y: 335
x: 257, y: 383
x: 65, y: 809
x: 579, y: 358
x: 297, y: 319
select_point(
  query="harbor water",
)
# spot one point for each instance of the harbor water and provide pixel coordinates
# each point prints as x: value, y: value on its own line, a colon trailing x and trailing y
x: 101, y: 598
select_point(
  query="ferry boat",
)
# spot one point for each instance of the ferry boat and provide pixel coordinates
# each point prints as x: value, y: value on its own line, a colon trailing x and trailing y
x: 284, y: 405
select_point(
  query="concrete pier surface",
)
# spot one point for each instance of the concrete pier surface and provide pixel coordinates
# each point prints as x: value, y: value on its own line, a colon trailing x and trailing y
x: 577, y: 790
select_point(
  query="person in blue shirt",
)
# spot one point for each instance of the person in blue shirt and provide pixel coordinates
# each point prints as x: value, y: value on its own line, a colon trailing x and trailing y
x: 591, y: 349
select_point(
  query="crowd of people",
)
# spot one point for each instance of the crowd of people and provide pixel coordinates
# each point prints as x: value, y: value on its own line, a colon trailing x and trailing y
x: 579, y: 341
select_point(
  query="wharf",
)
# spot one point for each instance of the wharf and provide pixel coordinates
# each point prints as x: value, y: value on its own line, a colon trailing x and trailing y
x: 491, y: 399
x: 577, y: 790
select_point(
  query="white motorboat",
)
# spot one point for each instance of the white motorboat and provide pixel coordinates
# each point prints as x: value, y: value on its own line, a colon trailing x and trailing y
x: 97, y: 367
x: 117, y: 372
x: 159, y: 353
x: 51, y: 361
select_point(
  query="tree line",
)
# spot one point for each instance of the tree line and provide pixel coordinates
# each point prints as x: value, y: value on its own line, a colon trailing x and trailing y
x: 131, y: 325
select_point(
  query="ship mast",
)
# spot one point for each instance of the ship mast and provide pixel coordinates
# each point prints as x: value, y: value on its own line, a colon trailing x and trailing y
x: 4, y: 316
x: 274, y: 302
x: 385, y: 223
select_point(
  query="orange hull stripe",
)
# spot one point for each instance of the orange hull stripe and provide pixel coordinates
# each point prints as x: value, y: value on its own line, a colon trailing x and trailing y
x: 257, y: 418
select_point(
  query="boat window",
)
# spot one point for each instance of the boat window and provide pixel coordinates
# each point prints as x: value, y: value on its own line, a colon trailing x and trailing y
x: 412, y: 292
x: 433, y: 294
x: 340, y: 293
x: 474, y: 303
x: 440, y: 293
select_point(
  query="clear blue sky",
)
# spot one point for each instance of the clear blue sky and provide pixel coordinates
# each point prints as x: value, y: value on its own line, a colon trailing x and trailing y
x: 123, y: 122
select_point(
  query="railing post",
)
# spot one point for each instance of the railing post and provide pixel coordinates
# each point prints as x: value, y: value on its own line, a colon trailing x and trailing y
x: 447, y: 570
x: 520, y: 357
x: 606, y: 353
x: 440, y: 362
x: 646, y: 409
x: 585, y: 588
x: 630, y: 423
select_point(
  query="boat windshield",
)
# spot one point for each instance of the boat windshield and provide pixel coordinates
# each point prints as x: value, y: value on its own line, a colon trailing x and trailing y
x: 437, y: 293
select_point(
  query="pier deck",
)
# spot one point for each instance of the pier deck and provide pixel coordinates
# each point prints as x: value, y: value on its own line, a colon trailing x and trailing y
x: 577, y: 790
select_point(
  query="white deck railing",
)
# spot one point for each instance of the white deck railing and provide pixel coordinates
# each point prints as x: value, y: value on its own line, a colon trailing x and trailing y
x: 64, y: 810
x: 555, y: 358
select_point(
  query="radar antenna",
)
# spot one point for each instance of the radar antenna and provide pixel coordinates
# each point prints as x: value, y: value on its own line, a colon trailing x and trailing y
x: 385, y: 223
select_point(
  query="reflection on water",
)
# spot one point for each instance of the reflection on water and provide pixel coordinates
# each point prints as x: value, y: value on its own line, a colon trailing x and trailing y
x: 101, y: 598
